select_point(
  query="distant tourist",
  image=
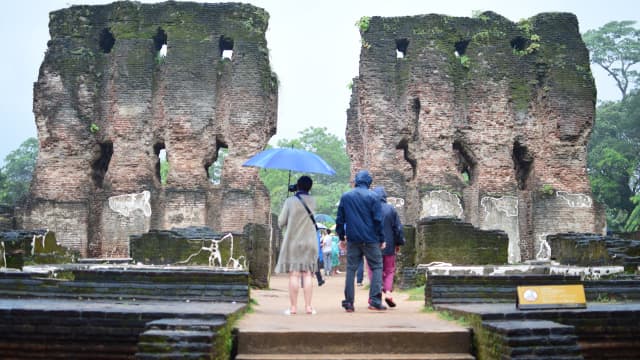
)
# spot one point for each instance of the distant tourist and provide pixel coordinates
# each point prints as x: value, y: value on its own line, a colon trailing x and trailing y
x: 327, y: 252
x: 359, y: 223
x: 299, y: 250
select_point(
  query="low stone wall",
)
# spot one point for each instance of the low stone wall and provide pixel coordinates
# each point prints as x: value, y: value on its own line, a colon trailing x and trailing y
x: 529, y: 339
x: 119, y: 311
x: 127, y: 283
x: 594, y: 250
x: 477, y: 289
x: 453, y: 241
x: 202, y: 246
x: 29, y: 247
x: 471, y: 289
x: 604, y: 331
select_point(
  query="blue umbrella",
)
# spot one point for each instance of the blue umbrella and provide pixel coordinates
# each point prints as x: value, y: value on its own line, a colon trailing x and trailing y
x: 290, y: 159
x: 324, y: 218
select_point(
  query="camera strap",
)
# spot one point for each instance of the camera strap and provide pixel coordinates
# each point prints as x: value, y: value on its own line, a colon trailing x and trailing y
x: 308, y: 211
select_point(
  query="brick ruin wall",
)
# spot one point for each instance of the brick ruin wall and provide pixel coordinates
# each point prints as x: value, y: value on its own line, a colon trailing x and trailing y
x: 106, y: 103
x: 480, y: 118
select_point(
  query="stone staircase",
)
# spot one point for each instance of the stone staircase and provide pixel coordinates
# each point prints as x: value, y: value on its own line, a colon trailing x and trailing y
x: 362, y: 345
x: 406, y: 332
x: 179, y: 339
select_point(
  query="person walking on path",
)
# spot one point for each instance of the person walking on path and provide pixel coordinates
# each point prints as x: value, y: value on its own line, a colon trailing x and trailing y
x: 393, y: 238
x: 335, y: 254
x: 359, y: 223
x: 327, y: 249
x: 299, y: 250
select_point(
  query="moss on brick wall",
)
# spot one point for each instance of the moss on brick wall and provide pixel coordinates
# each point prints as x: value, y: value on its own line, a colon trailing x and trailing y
x: 453, y: 241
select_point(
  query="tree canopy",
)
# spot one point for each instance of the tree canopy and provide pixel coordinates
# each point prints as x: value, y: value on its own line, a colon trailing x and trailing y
x: 15, y: 175
x: 614, y: 159
x: 616, y: 48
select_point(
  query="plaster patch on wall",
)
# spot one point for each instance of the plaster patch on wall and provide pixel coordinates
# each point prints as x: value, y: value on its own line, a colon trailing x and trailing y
x: 441, y: 203
x: 215, y: 255
x: 502, y: 214
x: 575, y: 200
x: 506, y: 204
x: 395, y: 202
x: 545, y: 249
x: 128, y: 203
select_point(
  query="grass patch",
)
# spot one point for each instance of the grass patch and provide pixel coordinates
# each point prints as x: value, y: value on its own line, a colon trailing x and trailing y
x: 461, y: 320
x: 415, y: 294
x: 252, y: 302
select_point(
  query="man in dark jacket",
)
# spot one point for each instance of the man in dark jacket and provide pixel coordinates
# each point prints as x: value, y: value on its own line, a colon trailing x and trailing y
x: 393, y: 238
x: 359, y: 223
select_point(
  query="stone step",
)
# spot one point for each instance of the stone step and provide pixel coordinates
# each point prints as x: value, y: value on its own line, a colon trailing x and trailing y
x: 211, y: 324
x: 362, y: 342
x: 444, y: 356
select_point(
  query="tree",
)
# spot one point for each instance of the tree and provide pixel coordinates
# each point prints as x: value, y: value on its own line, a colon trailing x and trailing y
x: 614, y: 158
x: 326, y: 189
x: 17, y: 172
x: 215, y: 170
x: 616, y: 48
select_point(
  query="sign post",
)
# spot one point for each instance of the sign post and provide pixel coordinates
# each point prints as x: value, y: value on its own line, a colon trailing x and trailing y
x: 551, y: 297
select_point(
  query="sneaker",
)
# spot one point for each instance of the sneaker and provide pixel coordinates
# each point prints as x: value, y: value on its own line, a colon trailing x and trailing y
x: 348, y: 307
x: 321, y: 282
x: 378, y: 307
x: 390, y: 302
x: 359, y: 284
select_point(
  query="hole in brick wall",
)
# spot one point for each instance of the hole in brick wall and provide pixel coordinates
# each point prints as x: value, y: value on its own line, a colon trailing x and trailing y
x: 401, y: 48
x: 522, y: 161
x: 415, y: 107
x: 100, y: 166
x: 162, y: 164
x: 466, y: 162
x: 160, y: 43
x: 106, y: 40
x: 159, y: 39
x: 519, y: 43
x: 461, y: 47
x: 226, y: 47
x: 214, y: 169
x: 408, y: 157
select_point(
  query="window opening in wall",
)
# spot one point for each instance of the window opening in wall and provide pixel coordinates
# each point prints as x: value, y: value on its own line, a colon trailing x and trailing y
x: 519, y: 43
x: 160, y: 43
x: 162, y: 165
x: 106, y: 40
x: 461, y: 47
x: 226, y: 47
x: 214, y: 170
x: 415, y: 107
x: 466, y: 162
x: 401, y: 48
x: 100, y: 166
x: 522, y: 161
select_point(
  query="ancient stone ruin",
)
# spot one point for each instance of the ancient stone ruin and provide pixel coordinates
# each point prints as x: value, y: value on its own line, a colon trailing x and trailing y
x: 481, y: 119
x: 123, y: 83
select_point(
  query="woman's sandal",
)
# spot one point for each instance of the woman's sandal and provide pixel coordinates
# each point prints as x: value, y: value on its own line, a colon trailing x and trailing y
x: 311, y: 311
x: 289, y: 313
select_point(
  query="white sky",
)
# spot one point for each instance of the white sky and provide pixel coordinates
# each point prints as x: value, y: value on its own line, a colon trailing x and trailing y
x: 314, y: 48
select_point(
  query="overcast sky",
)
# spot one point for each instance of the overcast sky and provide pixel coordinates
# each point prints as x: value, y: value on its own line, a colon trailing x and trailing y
x: 314, y: 48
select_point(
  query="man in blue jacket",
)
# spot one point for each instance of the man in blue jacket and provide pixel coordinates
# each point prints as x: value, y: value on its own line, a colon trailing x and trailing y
x: 359, y: 224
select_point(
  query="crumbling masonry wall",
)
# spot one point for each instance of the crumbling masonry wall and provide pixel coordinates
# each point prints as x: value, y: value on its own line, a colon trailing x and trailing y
x: 107, y: 103
x: 480, y: 118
